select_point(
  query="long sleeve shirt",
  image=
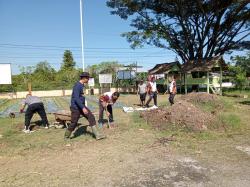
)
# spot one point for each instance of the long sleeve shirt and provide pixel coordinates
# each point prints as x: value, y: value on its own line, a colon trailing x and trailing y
x: 107, y: 98
x: 31, y: 100
x: 77, y: 98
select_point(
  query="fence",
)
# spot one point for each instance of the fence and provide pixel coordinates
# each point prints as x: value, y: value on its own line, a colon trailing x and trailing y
x: 55, y: 93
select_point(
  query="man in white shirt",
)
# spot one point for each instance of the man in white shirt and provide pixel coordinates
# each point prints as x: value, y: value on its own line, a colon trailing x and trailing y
x: 142, y: 90
x: 172, y: 90
x: 152, y: 91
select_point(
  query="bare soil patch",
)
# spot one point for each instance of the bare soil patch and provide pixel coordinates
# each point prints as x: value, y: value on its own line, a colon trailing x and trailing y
x: 181, y: 114
x: 185, y: 113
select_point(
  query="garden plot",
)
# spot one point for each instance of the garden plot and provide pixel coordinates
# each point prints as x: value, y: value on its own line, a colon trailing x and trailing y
x: 51, y: 104
x: 10, y: 106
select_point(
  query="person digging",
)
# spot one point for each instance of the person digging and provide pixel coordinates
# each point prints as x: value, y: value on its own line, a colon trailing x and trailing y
x: 105, y: 104
x: 35, y: 105
x: 78, y: 108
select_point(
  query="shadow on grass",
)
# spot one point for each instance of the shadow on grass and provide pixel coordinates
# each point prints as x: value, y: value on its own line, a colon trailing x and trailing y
x: 80, y: 131
x: 245, y: 102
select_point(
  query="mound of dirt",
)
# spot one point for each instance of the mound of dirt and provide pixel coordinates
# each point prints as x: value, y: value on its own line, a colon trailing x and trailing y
x: 200, y: 97
x: 182, y: 114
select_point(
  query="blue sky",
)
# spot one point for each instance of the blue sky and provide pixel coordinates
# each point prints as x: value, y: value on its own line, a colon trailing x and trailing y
x: 37, y: 30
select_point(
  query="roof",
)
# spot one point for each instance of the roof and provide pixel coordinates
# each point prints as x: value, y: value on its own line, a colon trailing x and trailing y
x: 204, y: 65
x: 164, y: 68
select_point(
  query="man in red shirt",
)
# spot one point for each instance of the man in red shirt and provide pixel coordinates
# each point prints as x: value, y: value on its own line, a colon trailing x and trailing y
x: 105, y: 103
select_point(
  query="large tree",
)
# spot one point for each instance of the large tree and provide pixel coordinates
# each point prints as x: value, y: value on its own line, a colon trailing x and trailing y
x: 193, y: 29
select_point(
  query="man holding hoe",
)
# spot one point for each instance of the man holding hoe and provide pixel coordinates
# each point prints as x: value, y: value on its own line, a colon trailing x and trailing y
x: 105, y: 103
x: 78, y: 108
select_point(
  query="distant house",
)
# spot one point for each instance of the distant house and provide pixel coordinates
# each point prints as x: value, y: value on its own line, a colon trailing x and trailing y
x: 204, y: 74
x: 207, y: 73
x: 164, y: 71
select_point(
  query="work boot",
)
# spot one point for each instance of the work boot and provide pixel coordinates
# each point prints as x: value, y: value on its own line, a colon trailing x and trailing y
x: 67, y: 134
x: 98, y: 136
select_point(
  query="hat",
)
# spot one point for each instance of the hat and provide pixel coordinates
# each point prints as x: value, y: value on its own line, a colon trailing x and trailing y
x: 84, y: 74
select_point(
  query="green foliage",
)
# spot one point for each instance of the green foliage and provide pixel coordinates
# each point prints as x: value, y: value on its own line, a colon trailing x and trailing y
x: 243, y: 62
x: 240, y: 68
x: 103, y: 68
x: 68, y: 61
x: 142, y: 76
x: 194, y: 29
x: 66, y: 78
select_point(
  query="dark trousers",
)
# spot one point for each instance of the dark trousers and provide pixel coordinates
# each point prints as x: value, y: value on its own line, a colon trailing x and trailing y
x: 31, y: 110
x: 143, y: 96
x: 75, y: 116
x: 101, y: 110
x: 171, y: 98
x: 153, y: 95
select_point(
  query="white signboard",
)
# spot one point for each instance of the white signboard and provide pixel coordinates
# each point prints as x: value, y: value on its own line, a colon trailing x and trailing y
x: 91, y: 82
x: 123, y: 74
x: 105, y: 78
x: 159, y: 76
x: 5, y: 74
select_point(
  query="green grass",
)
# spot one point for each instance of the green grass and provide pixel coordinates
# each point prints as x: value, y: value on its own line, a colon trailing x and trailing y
x: 239, y: 93
x: 232, y: 120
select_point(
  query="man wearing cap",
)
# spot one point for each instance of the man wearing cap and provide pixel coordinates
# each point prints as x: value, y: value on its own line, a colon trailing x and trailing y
x: 78, y: 108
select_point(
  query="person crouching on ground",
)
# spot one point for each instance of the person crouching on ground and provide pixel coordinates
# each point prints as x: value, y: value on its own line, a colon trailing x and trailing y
x: 172, y: 90
x: 78, y: 108
x: 152, y: 91
x: 35, y: 105
x: 105, y: 103
x: 142, y: 90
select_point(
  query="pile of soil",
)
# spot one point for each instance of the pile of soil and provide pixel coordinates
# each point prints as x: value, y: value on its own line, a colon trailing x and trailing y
x: 200, y: 97
x: 182, y: 114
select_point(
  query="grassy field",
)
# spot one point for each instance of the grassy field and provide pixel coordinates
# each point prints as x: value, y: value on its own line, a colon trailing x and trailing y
x: 134, y: 147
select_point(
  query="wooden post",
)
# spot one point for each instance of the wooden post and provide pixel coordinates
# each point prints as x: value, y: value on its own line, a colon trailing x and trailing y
x: 220, y: 80
x: 198, y: 83
x: 207, y: 81
x: 185, y: 82
x: 29, y: 87
x: 180, y: 82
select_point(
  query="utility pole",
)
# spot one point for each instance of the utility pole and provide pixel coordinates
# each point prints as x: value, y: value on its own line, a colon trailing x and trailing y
x: 81, y: 20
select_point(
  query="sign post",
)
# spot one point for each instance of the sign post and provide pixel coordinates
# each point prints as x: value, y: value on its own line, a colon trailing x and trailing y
x: 105, y: 79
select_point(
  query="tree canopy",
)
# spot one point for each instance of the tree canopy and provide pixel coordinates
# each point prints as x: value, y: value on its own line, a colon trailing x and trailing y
x: 193, y: 29
x: 68, y: 61
x: 242, y: 62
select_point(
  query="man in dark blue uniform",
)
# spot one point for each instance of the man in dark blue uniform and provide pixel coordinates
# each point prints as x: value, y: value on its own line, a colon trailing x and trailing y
x: 78, y: 108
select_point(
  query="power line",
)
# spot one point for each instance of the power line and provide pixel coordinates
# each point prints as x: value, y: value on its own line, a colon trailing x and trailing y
x: 28, y: 46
